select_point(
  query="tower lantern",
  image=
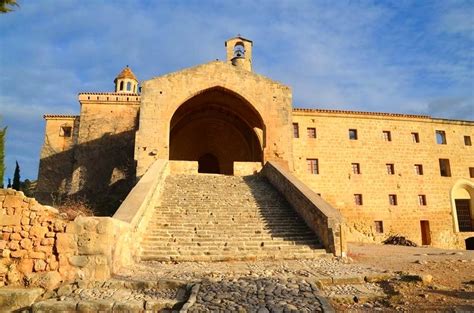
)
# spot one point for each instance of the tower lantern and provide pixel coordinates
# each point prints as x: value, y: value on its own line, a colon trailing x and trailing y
x: 126, y: 81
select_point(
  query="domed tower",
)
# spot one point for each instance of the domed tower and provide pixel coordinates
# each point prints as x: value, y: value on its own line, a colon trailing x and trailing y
x: 126, y: 82
x: 239, y: 52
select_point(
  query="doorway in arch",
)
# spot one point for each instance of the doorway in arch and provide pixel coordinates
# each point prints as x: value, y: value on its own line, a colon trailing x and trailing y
x: 208, y: 163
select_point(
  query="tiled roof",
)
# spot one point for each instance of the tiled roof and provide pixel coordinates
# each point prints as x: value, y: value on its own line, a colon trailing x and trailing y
x: 359, y: 113
x: 126, y: 73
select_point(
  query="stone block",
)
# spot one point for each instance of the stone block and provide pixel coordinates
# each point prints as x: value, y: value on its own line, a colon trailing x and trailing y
x: 15, y: 236
x: 66, y: 243
x: 7, y: 220
x: 38, y: 231
x: 54, y: 305
x: 39, y: 265
x: 129, y: 306
x: 14, y: 245
x: 25, y: 266
x: 47, y: 241
x: 16, y: 299
x: 93, y: 306
x: 19, y: 254
x: 25, y: 221
x: 46, y: 280
x: 92, y: 243
x: 74, y: 228
x: 78, y: 260
x: 37, y: 255
x: 13, y: 201
x: 26, y: 243
x: 101, y: 272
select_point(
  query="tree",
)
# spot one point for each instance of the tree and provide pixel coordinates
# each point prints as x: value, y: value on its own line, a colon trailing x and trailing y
x: 6, y: 5
x: 27, y: 188
x: 2, y: 155
x: 16, y: 178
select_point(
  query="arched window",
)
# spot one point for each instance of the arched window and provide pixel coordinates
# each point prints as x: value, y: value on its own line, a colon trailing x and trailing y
x: 239, y: 50
x: 129, y: 86
x: 121, y: 86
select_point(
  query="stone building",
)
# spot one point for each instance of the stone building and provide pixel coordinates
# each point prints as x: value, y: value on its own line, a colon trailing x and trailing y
x: 386, y: 173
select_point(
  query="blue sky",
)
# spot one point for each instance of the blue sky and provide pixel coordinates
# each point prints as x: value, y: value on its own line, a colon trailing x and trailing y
x: 389, y: 56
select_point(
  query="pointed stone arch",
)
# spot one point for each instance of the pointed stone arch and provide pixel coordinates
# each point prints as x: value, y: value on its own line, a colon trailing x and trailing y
x: 218, y: 122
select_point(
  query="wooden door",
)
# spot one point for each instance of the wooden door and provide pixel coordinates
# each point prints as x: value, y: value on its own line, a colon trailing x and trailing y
x: 425, y: 233
x: 463, y: 212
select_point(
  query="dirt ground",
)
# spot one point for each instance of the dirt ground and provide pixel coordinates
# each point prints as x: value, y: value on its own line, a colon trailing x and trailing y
x: 451, y: 288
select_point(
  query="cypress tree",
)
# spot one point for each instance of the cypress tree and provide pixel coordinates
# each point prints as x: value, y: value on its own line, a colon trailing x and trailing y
x: 16, y: 177
x: 2, y: 155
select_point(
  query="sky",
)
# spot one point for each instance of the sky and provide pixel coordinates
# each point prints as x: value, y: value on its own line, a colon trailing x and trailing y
x: 398, y: 56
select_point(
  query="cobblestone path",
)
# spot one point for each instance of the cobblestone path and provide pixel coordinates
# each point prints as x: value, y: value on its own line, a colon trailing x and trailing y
x: 259, y: 295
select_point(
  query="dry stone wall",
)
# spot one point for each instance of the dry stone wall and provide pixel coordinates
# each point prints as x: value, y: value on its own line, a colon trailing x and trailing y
x: 39, y: 247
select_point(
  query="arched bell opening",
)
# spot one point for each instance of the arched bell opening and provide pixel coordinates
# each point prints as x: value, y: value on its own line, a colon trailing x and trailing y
x: 217, y: 127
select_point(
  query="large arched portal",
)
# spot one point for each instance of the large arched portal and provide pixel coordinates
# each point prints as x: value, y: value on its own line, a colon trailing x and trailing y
x: 462, y: 197
x: 216, y: 128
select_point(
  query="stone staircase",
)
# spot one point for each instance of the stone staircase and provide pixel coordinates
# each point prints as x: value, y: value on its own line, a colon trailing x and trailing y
x: 216, y: 218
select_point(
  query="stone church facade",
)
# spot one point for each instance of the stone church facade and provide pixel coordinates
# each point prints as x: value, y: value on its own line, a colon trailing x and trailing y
x: 386, y: 173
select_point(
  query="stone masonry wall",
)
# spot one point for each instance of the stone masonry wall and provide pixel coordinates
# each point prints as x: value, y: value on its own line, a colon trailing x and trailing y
x: 29, y: 241
x: 40, y: 248
x: 337, y: 184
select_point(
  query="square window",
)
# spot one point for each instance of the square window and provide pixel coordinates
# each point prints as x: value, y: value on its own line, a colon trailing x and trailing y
x: 378, y: 227
x: 422, y: 200
x: 313, y: 166
x: 390, y: 168
x: 419, y: 169
x: 353, y: 134
x: 444, y: 168
x: 387, y: 136
x: 358, y: 199
x: 440, y: 137
x: 65, y: 131
x: 392, y: 199
x: 467, y: 141
x: 311, y: 132
x: 471, y: 172
x: 296, y: 130
x: 355, y: 168
x: 415, y: 137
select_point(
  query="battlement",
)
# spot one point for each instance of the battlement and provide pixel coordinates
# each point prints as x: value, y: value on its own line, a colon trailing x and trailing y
x: 109, y: 97
x: 60, y: 117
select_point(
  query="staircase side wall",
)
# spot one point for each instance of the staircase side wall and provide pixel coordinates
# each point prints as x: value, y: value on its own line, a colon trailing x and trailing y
x: 321, y: 217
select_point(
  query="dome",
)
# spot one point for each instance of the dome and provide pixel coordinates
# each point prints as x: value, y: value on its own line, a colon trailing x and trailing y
x: 126, y: 73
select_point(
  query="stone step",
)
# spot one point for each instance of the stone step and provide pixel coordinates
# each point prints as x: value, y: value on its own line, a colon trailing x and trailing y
x: 216, y: 217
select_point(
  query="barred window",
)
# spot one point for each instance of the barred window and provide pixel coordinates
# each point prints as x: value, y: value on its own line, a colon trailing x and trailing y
x: 313, y: 166
x: 422, y: 200
x: 378, y: 227
x: 296, y: 130
x: 390, y: 168
x: 392, y: 199
x: 358, y: 199
x: 355, y: 168
x: 419, y: 169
